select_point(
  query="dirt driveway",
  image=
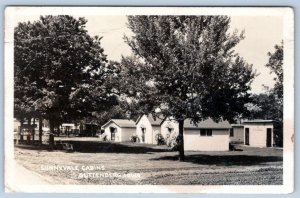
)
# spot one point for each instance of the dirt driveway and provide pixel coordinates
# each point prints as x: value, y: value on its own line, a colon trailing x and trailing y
x: 127, y: 163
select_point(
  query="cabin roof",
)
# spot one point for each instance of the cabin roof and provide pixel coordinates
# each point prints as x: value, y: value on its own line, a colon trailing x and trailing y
x: 156, y: 122
x: 123, y: 123
x: 207, y: 124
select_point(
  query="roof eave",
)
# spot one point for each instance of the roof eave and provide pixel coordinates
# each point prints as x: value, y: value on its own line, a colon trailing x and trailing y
x: 219, y: 128
x: 127, y: 126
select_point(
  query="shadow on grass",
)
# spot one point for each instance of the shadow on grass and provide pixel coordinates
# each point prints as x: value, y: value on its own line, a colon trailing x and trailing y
x: 33, y: 147
x: 224, y: 160
x: 104, y: 147
x: 108, y: 147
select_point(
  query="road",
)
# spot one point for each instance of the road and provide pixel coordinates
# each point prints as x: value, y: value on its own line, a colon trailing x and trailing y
x: 24, y: 177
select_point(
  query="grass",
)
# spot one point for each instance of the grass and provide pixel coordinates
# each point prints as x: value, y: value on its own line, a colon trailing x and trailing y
x: 150, y: 164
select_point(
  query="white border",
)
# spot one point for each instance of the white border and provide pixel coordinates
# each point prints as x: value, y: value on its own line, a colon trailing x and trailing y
x: 288, y: 159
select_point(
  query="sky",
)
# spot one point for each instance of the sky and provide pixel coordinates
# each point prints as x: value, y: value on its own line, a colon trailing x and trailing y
x: 262, y: 33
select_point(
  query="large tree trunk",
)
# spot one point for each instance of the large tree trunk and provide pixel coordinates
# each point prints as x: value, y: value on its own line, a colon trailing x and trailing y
x: 29, y: 131
x: 40, y: 130
x: 51, y: 135
x: 21, y: 128
x: 68, y: 131
x: 80, y: 129
x: 58, y: 131
x: 181, y: 142
x: 33, y: 130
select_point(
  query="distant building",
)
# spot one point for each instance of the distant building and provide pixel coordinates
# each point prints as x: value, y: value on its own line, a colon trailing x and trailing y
x: 237, y: 134
x: 147, y: 127
x: 29, y: 127
x: 69, y: 128
x: 119, y: 130
x: 258, y: 133
x: 26, y: 126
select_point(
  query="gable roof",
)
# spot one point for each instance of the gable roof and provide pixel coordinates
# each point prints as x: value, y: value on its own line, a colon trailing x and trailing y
x: 123, y: 123
x: 207, y: 124
x: 156, y: 122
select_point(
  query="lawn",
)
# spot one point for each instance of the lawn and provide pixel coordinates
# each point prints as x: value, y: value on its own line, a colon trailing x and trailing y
x: 95, y: 162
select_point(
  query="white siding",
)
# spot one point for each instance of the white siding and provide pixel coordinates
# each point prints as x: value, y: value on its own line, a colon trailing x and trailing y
x: 118, y: 132
x: 127, y: 133
x: 150, y: 131
x: 156, y: 130
x: 258, y: 134
x: 219, y: 141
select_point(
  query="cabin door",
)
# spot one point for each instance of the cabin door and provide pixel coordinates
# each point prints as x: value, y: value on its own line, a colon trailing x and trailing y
x: 247, y: 136
x: 112, y: 134
x: 269, y: 137
x: 143, y: 134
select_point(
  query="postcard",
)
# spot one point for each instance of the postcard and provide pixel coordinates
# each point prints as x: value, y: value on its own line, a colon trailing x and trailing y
x: 149, y: 99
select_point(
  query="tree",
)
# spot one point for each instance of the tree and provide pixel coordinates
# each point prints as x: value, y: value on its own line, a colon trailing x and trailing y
x: 116, y: 112
x: 66, y: 66
x: 275, y: 64
x: 271, y: 102
x: 186, y: 67
x: 23, y: 103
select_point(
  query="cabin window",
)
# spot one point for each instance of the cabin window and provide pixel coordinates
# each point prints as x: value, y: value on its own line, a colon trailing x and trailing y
x: 209, y: 132
x: 205, y: 132
x: 231, y: 133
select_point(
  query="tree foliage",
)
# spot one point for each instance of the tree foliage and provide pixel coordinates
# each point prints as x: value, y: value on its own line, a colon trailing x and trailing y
x: 268, y: 106
x: 186, y: 67
x: 60, y: 70
x: 275, y: 63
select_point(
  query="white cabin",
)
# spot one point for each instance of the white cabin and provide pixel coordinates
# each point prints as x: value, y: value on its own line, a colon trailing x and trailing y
x: 258, y: 133
x: 207, y: 135
x: 147, y: 127
x: 119, y: 130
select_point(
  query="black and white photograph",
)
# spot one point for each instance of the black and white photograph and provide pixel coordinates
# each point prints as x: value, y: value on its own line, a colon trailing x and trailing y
x: 149, y: 99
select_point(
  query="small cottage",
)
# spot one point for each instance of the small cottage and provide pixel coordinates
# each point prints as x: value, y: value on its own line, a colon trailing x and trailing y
x: 69, y: 128
x: 147, y: 127
x: 118, y: 130
x: 258, y: 133
x: 237, y: 134
x: 207, y: 135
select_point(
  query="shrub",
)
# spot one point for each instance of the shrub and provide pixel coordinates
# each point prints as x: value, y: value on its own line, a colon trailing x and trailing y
x: 231, y: 147
x: 160, y: 139
x: 134, y: 138
x: 172, y: 141
x: 104, y: 137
